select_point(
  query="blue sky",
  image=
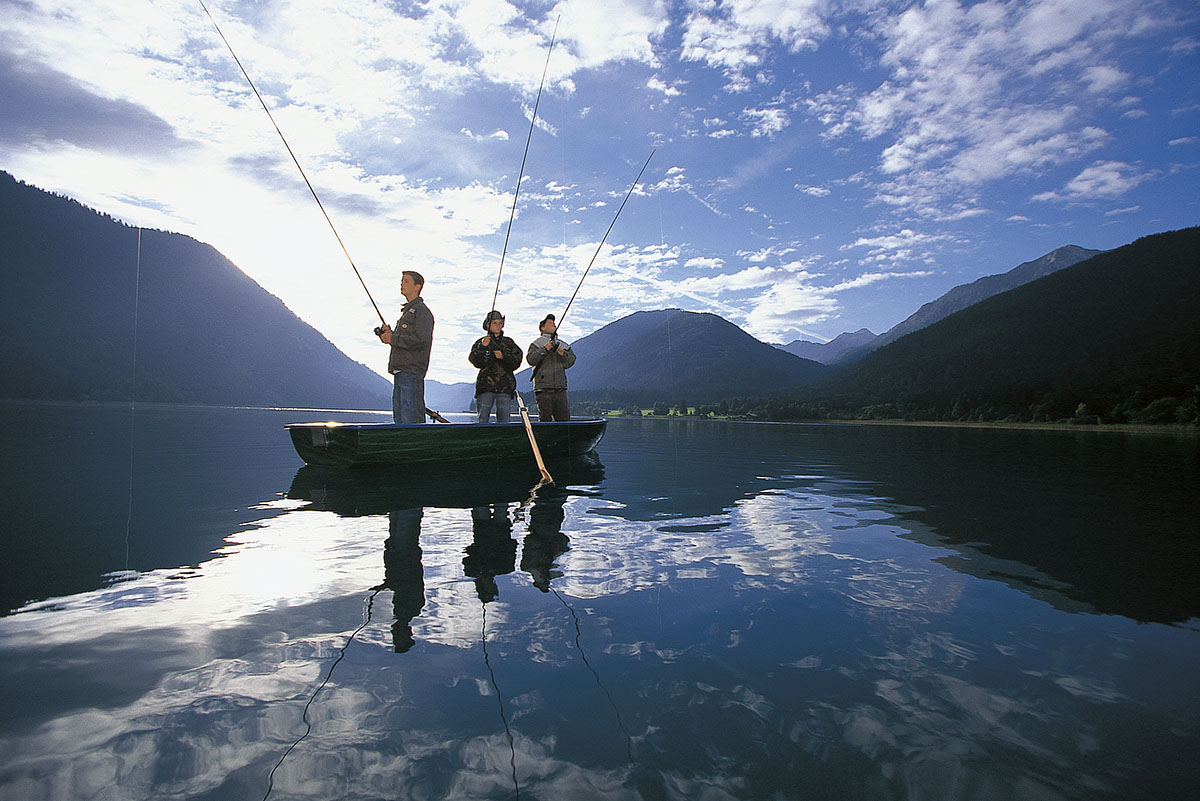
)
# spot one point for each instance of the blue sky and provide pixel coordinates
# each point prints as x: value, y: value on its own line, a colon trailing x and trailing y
x: 819, y: 166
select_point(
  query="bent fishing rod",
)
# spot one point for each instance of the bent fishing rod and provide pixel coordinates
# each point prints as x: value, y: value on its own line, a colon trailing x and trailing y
x: 604, y: 238
x: 294, y: 160
x: 521, y: 172
x: 537, y: 454
x: 383, y: 323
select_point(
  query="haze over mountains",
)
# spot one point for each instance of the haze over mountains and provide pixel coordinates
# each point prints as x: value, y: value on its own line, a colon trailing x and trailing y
x: 1076, y: 334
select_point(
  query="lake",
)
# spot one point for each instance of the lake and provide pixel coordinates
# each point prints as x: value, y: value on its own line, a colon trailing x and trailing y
x: 705, y: 610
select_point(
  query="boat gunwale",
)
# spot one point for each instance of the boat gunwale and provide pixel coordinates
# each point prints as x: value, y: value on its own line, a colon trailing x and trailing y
x: 574, y: 421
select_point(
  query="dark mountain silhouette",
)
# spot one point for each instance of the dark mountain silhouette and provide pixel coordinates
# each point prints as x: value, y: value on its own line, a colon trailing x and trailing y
x: 965, y: 295
x: 78, y: 286
x: 673, y: 355
x: 1113, y: 338
x: 831, y: 351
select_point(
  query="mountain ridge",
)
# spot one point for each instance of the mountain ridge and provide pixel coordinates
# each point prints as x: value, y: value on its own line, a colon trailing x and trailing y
x: 100, y: 310
x: 966, y: 295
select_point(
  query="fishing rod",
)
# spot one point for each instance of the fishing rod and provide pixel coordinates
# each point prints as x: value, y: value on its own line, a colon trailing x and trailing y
x: 605, y: 237
x: 294, y: 160
x: 520, y: 173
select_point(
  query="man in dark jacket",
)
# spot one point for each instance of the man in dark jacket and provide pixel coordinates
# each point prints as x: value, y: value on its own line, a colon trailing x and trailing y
x: 550, y: 357
x: 409, y: 358
x: 496, y: 356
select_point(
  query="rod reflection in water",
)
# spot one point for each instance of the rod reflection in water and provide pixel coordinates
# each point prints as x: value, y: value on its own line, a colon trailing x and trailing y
x: 304, y: 716
x: 492, y: 552
x: 544, y: 543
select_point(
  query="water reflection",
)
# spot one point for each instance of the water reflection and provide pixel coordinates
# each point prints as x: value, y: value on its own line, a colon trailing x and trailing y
x: 403, y: 573
x: 717, y: 611
x: 356, y: 493
x: 492, y: 552
x: 545, y: 541
x: 1086, y: 521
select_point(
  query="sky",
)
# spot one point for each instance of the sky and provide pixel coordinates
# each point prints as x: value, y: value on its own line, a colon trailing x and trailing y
x: 815, y: 166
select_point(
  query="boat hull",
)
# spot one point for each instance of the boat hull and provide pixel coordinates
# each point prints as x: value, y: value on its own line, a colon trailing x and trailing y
x: 365, y: 444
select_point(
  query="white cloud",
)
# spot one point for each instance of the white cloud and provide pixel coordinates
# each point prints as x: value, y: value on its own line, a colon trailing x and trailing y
x: 904, y: 239
x: 1104, y: 179
x: 765, y: 121
x: 733, y: 35
x: 658, y: 85
x: 974, y: 92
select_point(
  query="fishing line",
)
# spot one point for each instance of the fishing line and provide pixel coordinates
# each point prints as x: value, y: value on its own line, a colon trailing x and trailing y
x: 605, y: 237
x: 137, y: 289
x: 295, y: 161
x: 520, y: 173
x: 307, y: 723
x: 600, y: 684
x: 500, y: 698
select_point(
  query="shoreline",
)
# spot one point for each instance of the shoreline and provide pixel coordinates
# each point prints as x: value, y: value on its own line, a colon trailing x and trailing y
x: 1125, y: 428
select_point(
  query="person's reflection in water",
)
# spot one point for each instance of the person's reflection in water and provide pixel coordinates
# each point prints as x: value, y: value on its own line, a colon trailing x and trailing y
x: 545, y: 541
x: 403, y: 573
x: 493, y: 552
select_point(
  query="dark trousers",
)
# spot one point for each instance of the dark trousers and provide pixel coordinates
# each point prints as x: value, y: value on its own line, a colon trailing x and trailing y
x: 552, y: 405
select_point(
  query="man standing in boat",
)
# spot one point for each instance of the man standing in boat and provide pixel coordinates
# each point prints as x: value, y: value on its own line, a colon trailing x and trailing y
x: 496, y: 356
x: 409, y: 358
x: 550, y: 357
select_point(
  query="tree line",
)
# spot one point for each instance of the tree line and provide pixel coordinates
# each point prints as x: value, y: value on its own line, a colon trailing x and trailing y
x: 1060, y: 406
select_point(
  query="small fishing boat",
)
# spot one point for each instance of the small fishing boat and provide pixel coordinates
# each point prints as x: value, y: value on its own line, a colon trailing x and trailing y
x: 360, y: 444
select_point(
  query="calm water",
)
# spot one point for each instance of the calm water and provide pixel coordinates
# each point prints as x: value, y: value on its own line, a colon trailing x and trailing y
x: 706, y: 611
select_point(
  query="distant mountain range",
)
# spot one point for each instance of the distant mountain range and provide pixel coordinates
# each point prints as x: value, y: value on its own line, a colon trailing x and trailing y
x: 831, y: 351
x: 669, y: 355
x: 89, y: 314
x: 850, y: 347
x: 1114, y: 338
x: 78, y: 286
x: 674, y: 355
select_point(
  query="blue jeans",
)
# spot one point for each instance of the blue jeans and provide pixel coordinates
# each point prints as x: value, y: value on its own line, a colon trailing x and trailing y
x: 408, y: 398
x: 484, y: 402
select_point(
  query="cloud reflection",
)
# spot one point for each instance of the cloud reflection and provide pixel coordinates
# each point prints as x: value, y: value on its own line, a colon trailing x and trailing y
x: 797, y: 636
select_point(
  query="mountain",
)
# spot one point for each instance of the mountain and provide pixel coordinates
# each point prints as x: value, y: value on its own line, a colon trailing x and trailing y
x: 1113, y: 338
x: 961, y: 297
x: 831, y: 351
x: 80, y: 284
x: 449, y: 397
x: 672, y: 355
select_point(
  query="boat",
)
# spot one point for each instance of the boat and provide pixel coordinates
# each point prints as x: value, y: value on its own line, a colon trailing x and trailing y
x: 334, y: 444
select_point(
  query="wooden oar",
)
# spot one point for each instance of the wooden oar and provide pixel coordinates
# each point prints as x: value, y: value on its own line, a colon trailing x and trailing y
x: 546, y: 478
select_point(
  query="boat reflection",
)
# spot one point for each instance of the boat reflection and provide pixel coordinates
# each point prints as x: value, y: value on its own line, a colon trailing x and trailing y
x: 354, y: 493
x: 497, y: 502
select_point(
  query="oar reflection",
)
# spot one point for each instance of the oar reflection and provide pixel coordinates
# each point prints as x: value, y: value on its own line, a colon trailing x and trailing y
x: 544, y: 543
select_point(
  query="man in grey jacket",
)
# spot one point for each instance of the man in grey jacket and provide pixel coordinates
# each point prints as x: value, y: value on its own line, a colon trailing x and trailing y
x: 409, y: 358
x: 550, y: 358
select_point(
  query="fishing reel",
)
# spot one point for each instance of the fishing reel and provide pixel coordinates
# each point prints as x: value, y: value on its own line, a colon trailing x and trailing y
x: 378, y: 330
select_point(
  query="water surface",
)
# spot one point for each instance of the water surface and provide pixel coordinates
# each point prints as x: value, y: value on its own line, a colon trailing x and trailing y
x: 705, y: 610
